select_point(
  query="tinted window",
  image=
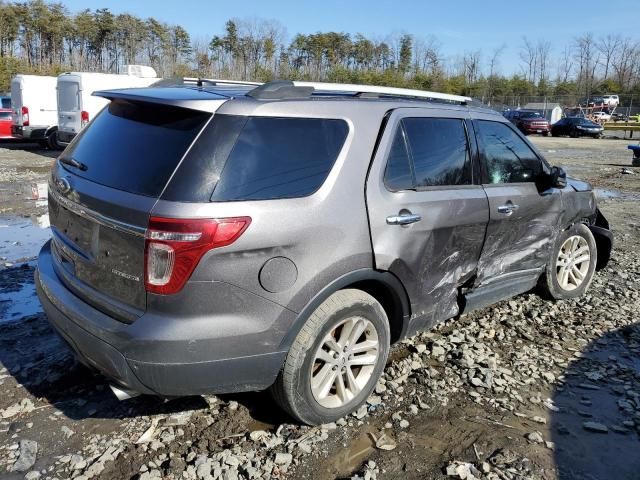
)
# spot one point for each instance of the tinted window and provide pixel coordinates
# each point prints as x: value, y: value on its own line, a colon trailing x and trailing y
x: 68, y: 96
x: 6, y: 102
x: 507, y: 158
x: 5, y: 115
x: 397, y: 175
x: 280, y: 158
x: 438, y: 148
x: 135, y: 146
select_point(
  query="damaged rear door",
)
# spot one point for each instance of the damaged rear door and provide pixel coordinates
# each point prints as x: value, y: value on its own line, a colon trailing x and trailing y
x: 523, y: 215
x: 427, y: 218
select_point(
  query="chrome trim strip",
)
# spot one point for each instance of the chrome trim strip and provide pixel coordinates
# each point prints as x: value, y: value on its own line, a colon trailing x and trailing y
x: 95, y: 216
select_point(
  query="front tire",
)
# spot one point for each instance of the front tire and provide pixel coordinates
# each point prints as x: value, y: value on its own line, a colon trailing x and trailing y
x: 571, y: 265
x: 335, y: 360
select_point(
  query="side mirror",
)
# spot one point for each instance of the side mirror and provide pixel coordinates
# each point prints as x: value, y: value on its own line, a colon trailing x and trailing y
x: 558, y: 177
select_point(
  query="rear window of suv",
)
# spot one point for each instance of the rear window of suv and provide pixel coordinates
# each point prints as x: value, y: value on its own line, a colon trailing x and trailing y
x: 258, y: 158
x: 135, y: 147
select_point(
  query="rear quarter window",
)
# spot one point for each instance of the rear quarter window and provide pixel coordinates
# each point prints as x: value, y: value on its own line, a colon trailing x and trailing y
x: 280, y: 158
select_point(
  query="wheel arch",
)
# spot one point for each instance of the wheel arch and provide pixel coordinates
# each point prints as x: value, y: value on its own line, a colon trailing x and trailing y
x: 385, y: 287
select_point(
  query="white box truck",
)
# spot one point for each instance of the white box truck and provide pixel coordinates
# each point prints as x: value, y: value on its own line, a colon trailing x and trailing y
x: 33, y: 100
x: 76, y: 105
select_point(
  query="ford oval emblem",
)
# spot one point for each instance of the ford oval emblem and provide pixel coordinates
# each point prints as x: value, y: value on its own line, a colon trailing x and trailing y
x: 63, y: 185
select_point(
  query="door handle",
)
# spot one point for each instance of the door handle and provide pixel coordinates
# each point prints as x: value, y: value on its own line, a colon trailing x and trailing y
x: 508, y: 208
x: 403, y: 219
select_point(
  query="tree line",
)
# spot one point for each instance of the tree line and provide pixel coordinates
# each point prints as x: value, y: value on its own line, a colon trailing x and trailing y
x: 46, y: 38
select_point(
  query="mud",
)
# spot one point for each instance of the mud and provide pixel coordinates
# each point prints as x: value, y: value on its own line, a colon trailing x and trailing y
x: 582, y: 355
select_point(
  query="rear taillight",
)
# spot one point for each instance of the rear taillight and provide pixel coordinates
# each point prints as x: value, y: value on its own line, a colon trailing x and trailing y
x: 173, y: 248
x: 25, y: 116
x: 84, y: 118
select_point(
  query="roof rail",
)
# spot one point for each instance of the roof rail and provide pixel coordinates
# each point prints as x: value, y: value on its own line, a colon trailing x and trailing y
x: 369, y: 90
x: 280, y: 90
x: 173, y: 82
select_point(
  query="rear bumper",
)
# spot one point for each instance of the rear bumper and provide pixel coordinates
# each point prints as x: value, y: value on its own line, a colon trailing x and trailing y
x: 106, y: 345
x: 29, y: 133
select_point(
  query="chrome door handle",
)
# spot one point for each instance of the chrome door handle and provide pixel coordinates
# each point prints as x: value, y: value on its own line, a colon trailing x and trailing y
x: 508, y: 208
x: 403, y: 219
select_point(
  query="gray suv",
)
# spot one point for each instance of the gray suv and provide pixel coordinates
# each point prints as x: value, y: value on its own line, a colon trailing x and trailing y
x: 225, y: 238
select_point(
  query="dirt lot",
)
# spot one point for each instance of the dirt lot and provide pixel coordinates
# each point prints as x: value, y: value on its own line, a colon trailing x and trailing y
x: 525, y: 389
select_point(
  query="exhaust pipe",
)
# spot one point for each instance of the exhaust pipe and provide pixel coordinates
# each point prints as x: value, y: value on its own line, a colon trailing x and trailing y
x: 122, y: 393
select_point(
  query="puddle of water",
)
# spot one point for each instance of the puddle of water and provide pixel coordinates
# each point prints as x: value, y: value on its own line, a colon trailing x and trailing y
x: 19, y: 304
x: 21, y: 238
x: 610, y: 193
x: 353, y: 455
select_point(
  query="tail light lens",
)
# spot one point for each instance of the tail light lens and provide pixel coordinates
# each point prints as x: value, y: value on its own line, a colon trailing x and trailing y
x: 173, y: 248
x: 25, y: 116
x: 84, y: 118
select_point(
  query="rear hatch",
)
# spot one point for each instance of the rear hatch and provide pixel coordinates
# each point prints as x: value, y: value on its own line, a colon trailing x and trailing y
x: 69, y: 103
x: 102, y: 189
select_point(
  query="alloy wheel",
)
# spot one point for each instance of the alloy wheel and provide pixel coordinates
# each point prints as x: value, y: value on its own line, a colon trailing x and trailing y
x: 344, y: 362
x: 573, y: 262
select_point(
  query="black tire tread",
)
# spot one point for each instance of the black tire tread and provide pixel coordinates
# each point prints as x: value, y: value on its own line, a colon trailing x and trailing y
x: 283, y: 390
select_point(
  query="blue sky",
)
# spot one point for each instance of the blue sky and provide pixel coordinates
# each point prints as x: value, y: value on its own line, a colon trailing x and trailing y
x: 463, y: 25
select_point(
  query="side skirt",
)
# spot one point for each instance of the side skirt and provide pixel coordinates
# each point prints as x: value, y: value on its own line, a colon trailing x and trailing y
x: 501, y: 288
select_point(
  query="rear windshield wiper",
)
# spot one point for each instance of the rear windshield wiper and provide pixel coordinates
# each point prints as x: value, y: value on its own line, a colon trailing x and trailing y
x: 73, y: 162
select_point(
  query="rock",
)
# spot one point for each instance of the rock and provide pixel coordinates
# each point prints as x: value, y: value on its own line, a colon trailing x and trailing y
x: 27, y: 458
x: 283, y: 458
x: 258, y: 435
x: 535, y: 437
x: 420, y: 348
x: 77, y: 462
x: 595, y: 427
x: 476, y: 382
x: 384, y: 441
x: 361, y: 412
x: 437, y: 351
x: 404, y: 424
x: 539, y: 419
x: 32, y: 475
x: 463, y: 470
x: 67, y: 432
x: 23, y: 406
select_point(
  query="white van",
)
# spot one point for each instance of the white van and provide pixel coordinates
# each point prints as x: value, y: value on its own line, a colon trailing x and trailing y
x: 76, y: 105
x: 33, y: 99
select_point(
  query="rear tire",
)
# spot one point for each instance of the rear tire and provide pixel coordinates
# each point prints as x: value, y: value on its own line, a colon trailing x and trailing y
x: 318, y: 383
x: 52, y: 141
x: 571, y: 265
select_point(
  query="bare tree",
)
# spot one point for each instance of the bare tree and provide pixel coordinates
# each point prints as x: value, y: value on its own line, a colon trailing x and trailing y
x: 587, y: 56
x: 529, y: 57
x: 543, y: 52
x: 608, y: 46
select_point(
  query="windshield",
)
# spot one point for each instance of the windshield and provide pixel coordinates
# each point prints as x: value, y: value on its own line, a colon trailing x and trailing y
x: 534, y: 115
x: 134, y: 147
x: 6, y: 102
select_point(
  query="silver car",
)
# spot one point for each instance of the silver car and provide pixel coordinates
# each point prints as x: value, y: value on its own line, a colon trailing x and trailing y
x: 225, y: 237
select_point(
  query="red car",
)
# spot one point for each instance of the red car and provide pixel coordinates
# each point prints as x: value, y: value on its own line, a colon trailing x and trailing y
x: 529, y: 121
x: 5, y: 123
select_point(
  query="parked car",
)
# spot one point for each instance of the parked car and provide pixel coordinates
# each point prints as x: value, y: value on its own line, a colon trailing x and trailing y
x: 33, y: 99
x: 619, y: 117
x: 529, y: 121
x: 6, y: 120
x: 5, y: 102
x: 611, y: 100
x: 76, y: 105
x: 234, y: 238
x: 576, y: 127
x: 601, y: 116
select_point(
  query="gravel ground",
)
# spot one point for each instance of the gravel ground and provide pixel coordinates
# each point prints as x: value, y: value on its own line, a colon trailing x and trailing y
x: 528, y: 388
